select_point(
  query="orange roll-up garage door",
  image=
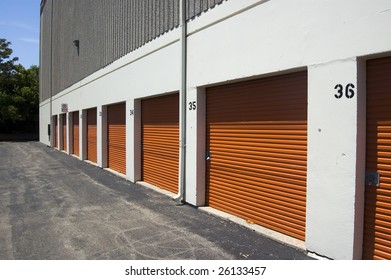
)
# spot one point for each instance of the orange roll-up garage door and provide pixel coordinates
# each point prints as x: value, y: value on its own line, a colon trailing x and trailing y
x: 76, y: 133
x: 377, y: 229
x: 64, y: 132
x: 257, y: 145
x: 91, y: 135
x: 116, y: 137
x: 160, y: 146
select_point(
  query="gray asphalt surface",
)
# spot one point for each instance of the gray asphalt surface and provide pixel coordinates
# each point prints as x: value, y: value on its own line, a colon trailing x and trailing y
x: 53, y: 206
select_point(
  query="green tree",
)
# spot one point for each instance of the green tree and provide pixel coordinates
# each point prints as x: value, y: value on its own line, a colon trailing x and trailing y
x: 19, y: 93
x: 26, y: 94
x: 8, y: 66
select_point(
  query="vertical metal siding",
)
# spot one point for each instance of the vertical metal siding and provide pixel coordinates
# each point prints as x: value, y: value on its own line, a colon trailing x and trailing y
x: 160, y: 141
x: 190, y: 8
x: 134, y: 26
x: 75, y: 133
x: 116, y: 137
x: 377, y: 221
x: 125, y: 28
x: 257, y: 139
x: 196, y: 7
x: 106, y: 31
x: 45, y: 52
x: 91, y: 135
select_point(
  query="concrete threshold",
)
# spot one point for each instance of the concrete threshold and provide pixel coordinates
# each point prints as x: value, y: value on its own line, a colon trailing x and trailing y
x: 115, y: 173
x: 282, y: 238
x: 155, y: 188
x: 91, y: 162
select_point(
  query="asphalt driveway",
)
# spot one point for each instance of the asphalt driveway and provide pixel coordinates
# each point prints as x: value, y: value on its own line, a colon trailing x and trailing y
x: 53, y: 206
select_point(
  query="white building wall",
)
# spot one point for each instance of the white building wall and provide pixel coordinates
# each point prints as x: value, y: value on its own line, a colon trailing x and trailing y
x: 83, y: 134
x: 278, y: 35
x: 44, y: 121
x: 249, y: 39
x: 101, y: 132
x: 68, y: 145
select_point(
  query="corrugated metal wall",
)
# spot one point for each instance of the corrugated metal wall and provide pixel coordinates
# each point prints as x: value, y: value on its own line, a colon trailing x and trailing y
x: 45, y: 67
x: 106, y: 30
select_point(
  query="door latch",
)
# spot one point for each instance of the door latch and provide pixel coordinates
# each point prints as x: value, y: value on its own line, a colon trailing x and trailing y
x: 208, y: 155
x: 372, y: 178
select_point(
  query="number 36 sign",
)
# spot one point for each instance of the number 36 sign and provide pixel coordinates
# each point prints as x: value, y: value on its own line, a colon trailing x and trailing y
x: 348, y: 91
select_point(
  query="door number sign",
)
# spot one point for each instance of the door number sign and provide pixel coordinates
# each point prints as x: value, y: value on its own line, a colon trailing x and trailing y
x: 192, y: 105
x: 348, y: 91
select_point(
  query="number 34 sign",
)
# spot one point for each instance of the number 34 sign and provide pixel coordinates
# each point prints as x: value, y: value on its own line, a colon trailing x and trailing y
x: 348, y: 91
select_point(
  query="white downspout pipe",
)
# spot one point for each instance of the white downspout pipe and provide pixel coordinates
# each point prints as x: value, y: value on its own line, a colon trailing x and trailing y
x: 51, y: 138
x: 182, y: 101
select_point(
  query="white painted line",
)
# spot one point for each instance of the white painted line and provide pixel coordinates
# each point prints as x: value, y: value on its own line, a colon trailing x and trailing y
x: 155, y: 188
x: 116, y: 173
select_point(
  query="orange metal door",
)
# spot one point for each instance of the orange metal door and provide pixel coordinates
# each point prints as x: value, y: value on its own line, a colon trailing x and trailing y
x: 76, y: 133
x: 116, y: 137
x: 64, y: 132
x: 257, y: 150
x: 377, y: 221
x: 91, y: 135
x: 160, y: 141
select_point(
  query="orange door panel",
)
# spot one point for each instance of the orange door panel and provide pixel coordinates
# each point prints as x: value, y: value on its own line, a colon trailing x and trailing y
x: 76, y: 133
x: 116, y: 137
x: 160, y: 146
x: 377, y: 220
x: 91, y: 135
x: 257, y: 149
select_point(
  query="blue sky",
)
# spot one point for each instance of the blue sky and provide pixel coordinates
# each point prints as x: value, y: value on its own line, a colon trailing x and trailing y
x: 19, y: 24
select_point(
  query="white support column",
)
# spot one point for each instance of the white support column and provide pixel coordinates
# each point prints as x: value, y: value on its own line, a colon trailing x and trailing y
x: 336, y: 159
x: 99, y: 135
x: 58, y: 128
x: 70, y: 133
x: 67, y: 129
x: 45, y: 120
x: 83, y: 134
x: 102, y: 136
x: 133, y: 140
x: 195, y: 147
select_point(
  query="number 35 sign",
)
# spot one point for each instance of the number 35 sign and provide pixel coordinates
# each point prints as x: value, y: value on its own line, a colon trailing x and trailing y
x: 348, y: 91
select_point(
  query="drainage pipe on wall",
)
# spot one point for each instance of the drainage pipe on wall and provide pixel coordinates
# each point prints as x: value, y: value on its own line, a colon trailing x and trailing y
x: 182, y: 99
x: 51, y: 138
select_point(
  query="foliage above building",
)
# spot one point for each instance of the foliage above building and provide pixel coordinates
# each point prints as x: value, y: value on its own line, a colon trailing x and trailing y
x: 19, y: 93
